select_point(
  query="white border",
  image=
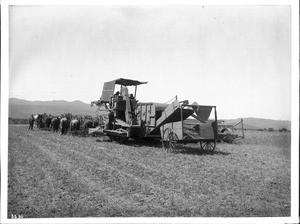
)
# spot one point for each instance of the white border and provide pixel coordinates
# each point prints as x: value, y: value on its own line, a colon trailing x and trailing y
x: 294, y: 218
x: 4, y: 108
x: 150, y: 2
x: 295, y: 112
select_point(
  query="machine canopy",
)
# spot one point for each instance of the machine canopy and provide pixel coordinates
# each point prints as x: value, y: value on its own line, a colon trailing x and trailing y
x: 109, y: 87
x: 128, y: 82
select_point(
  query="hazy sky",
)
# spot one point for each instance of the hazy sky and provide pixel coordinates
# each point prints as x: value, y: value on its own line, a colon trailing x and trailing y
x: 235, y: 57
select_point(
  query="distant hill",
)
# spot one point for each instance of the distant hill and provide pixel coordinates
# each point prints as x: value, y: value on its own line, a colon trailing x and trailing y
x: 19, y: 108
x: 253, y: 123
x: 260, y: 123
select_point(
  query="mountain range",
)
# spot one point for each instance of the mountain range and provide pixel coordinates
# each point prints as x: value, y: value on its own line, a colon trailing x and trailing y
x: 19, y: 108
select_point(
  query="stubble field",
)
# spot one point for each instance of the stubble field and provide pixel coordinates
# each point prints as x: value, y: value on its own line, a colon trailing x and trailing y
x: 50, y: 175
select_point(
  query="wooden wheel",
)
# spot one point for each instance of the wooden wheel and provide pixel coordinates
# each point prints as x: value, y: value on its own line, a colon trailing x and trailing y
x: 171, y: 140
x: 208, y: 146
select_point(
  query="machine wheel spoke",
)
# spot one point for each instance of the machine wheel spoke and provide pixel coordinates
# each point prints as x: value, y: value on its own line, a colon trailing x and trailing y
x: 208, y: 146
x: 171, y: 140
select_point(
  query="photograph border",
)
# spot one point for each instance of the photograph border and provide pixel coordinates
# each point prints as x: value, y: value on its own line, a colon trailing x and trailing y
x: 294, y: 218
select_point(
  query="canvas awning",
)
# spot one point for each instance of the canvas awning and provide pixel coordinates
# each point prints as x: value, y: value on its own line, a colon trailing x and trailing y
x: 108, y: 91
x: 128, y: 82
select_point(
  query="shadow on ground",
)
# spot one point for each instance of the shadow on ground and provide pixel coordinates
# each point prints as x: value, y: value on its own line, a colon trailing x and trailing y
x: 180, y: 149
x: 195, y: 151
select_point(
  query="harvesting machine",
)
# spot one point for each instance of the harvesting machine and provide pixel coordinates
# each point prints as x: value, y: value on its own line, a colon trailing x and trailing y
x: 176, y: 123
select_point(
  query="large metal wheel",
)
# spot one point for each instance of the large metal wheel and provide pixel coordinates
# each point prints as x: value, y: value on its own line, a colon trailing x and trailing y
x: 208, y: 146
x: 170, y: 141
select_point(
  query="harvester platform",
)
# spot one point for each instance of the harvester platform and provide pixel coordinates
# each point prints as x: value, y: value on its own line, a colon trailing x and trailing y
x: 173, y: 113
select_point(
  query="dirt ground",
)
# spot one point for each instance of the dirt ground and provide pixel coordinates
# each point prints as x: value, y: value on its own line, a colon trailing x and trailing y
x: 51, y: 175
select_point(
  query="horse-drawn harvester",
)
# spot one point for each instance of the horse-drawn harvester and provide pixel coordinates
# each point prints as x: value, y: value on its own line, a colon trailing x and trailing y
x: 175, y: 123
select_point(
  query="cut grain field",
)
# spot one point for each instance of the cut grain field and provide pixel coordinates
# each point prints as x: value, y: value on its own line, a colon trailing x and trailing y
x: 50, y: 175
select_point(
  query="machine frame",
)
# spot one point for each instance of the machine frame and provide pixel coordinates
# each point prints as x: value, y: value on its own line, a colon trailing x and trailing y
x: 126, y: 118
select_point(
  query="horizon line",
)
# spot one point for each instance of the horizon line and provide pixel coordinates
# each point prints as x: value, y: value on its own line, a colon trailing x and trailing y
x: 89, y: 104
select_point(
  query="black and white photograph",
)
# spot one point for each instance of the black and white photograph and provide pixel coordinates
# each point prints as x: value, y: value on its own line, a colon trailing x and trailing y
x: 147, y: 112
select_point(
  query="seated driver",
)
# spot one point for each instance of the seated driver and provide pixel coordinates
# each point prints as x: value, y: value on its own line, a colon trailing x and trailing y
x: 131, y: 96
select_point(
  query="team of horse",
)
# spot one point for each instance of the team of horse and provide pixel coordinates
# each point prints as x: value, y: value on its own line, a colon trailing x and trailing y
x: 66, y: 123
